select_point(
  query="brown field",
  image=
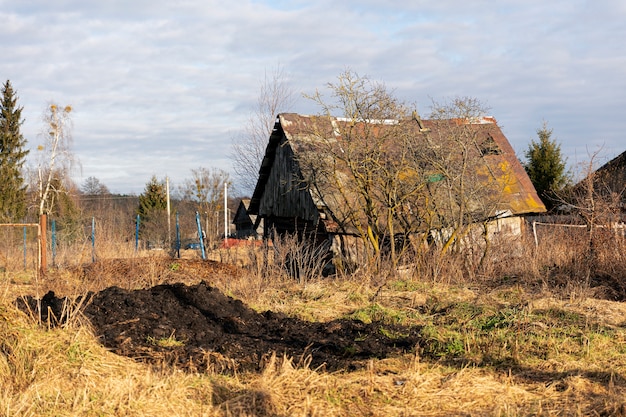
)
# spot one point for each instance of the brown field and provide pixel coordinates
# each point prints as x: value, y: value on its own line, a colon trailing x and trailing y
x: 541, y: 332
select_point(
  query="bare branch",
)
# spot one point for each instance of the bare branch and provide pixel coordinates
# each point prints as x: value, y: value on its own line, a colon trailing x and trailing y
x: 248, y: 149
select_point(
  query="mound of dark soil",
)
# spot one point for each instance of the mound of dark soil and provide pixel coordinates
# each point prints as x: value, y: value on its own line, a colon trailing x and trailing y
x: 197, y: 327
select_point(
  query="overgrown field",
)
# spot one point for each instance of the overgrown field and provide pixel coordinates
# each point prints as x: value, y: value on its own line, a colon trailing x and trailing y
x: 536, y: 332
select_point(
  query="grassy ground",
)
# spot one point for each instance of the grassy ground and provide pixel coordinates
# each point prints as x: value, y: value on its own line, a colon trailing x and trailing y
x: 533, y: 336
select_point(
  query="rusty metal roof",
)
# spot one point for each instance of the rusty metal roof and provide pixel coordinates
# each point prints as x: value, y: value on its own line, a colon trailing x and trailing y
x: 519, y: 195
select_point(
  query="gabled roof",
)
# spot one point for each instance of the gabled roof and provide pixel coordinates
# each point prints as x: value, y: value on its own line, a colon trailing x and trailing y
x: 612, y: 175
x: 609, y: 179
x: 519, y: 195
x: 242, y: 215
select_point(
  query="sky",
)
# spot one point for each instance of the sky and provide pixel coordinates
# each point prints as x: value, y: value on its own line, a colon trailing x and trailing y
x: 164, y: 87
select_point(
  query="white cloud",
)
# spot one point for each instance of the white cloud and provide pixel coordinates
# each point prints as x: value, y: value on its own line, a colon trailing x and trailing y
x: 162, y: 87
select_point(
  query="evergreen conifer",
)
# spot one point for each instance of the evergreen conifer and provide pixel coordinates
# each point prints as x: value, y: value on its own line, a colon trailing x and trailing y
x: 12, y: 158
x: 546, y: 167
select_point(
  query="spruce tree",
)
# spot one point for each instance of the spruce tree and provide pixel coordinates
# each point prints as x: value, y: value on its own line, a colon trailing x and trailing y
x: 152, y: 205
x: 12, y: 158
x: 546, y: 167
x: 153, y: 199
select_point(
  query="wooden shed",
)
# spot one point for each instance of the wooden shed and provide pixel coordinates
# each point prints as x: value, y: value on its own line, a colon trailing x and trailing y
x: 246, y: 225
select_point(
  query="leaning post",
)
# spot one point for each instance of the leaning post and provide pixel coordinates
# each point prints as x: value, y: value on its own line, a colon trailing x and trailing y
x: 200, y: 235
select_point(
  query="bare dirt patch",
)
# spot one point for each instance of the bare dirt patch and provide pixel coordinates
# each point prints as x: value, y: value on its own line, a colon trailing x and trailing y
x: 196, y: 327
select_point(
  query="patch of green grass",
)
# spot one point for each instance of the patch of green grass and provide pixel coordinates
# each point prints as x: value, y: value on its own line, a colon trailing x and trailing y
x: 392, y: 334
x: 465, y: 312
x: 76, y: 353
x: 512, y: 295
x: 356, y: 297
x: 20, y: 277
x: 504, y: 318
x: 491, y: 335
x: 349, y: 351
x: 406, y: 285
x: 563, y: 318
x: 165, y: 342
x: 441, y: 342
x: 378, y: 313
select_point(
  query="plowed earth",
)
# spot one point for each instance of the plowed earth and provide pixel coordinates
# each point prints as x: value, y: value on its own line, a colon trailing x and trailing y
x: 196, y: 327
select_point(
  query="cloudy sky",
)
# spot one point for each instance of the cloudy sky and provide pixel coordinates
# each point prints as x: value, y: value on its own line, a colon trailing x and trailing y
x: 163, y: 87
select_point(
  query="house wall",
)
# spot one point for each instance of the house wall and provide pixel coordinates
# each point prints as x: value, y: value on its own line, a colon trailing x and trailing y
x: 244, y: 229
x: 507, y: 231
x: 506, y: 228
x: 348, y: 251
x: 291, y: 225
x: 285, y: 195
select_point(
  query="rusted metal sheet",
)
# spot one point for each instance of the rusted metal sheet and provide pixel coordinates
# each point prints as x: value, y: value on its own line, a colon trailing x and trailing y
x: 277, y: 194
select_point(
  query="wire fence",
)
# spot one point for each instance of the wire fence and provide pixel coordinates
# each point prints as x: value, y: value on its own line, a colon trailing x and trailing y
x: 574, y: 231
x: 19, y: 248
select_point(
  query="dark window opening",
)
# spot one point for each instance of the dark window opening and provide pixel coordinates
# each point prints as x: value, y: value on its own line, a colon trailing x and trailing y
x: 489, y: 147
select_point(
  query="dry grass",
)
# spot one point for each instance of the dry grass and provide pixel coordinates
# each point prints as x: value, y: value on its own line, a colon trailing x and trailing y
x: 525, y: 336
x: 66, y: 372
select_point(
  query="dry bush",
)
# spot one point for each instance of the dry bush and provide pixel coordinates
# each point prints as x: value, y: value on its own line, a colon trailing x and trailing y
x: 565, y: 261
x: 559, y: 263
x: 108, y: 245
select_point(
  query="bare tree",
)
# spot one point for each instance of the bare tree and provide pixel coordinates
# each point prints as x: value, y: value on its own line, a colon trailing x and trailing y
x: 360, y: 167
x: 465, y: 189
x: 249, y: 148
x: 94, y: 187
x: 55, y: 158
x: 598, y: 202
x: 206, y: 190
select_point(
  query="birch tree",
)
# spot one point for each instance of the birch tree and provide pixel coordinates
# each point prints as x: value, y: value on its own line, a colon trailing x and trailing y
x: 55, y: 155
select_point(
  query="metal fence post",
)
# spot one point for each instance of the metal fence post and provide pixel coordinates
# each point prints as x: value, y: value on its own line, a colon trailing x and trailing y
x: 200, y: 235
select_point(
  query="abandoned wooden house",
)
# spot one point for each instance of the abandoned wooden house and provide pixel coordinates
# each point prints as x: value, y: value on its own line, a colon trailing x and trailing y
x: 295, y: 193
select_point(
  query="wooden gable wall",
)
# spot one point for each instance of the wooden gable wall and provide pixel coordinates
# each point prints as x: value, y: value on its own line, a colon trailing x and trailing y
x: 285, y: 198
